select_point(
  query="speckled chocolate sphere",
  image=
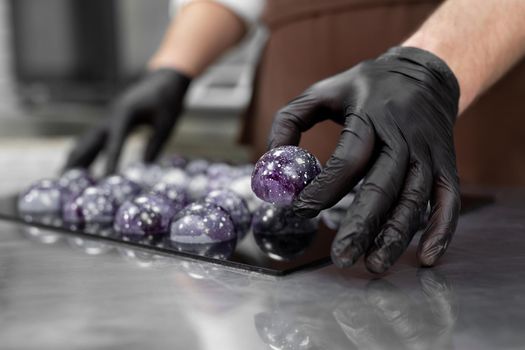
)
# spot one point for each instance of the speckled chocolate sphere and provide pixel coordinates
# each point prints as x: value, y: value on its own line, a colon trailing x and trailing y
x: 146, y: 215
x: 280, y: 233
x: 198, y: 187
x: 94, y: 206
x: 178, y: 195
x: 76, y: 180
x: 271, y: 219
x: 72, y: 210
x: 239, y: 171
x: 43, y: 197
x: 282, y: 173
x: 202, y: 223
x: 146, y: 175
x: 175, y: 161
x: 175, y: 176
x: 235, y: 206
x: 121, y: 188
x: 218, y: 170
x: 197, y: 166
x: 217, y: 183
x: 242, y: 186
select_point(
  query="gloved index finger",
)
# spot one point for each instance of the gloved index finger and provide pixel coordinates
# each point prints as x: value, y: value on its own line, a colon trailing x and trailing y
x: 159, y: 136
x: 87, y: 148
x: 371, y: 206
x: 118, y: 131
x: 343, y: 170
x: 298, y: 116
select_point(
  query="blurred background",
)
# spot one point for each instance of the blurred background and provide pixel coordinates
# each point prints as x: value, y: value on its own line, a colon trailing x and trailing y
x: 62, y: 62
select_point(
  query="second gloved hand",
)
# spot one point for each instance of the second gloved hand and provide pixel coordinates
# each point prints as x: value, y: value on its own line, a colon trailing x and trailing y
x: 398, y: 113
x: 156, y: 101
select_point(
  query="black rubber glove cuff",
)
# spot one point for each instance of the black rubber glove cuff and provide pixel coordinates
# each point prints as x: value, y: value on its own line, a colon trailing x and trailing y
x: 174, y: 79
x: 430, y: 61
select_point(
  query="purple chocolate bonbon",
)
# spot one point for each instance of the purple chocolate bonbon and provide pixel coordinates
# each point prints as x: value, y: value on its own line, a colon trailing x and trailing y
x: 76, y: 180
x: 120, y: 187
x: 145, y: 215
x: 43, y: 197
x: 175, y: 176
x: 218, y: 170
x: 202, y: 223
x: 242, y: 186
x: 178, y: 195
x: 198, y: 187
x: 197, y: 166
x: 282, y: 173
x: 72, y: 210
x: 175, y: 161
x: 239, y: 171
x: 280, y: 233
x: 94, y: 206
x: 235, y: 206
x: 146, y: 175
x: 276, y: 220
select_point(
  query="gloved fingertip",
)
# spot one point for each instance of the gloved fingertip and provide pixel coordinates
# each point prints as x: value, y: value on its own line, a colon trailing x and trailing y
x: 272, y: 144
x: 305, y: 212
x: 341, y: 261
x: 304, y: 206
x: 344, y: 255
x: 377, y: 263
x: 110, y: 169
x: 430, y: 252
x: 148, y: 158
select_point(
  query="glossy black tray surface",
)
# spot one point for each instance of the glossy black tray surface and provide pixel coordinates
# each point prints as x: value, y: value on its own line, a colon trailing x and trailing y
x: 276, y: 255
x: 270, y: 254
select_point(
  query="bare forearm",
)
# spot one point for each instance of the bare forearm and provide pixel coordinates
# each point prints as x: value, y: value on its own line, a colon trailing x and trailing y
x: 200, y: 33
x: 479, y: 40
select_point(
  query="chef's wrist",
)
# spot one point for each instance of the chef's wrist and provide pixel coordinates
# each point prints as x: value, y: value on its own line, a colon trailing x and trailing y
x: 469, y: 86
x: 158, y: 62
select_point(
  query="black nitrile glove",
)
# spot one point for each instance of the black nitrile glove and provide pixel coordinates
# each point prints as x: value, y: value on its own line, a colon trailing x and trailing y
x: 156, y: 100
x: 398, y: 113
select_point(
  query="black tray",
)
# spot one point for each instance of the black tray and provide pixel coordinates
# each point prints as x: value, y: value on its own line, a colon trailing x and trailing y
x: 282, y: 255
x: 271, y: 254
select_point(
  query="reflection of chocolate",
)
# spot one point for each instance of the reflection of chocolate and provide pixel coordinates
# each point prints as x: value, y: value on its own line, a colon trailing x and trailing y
x: 93, y: 246
x: 89, y: 246
x: 141, y: 258
x: 53, y: 220
x: 280, y: 332
x: 219, y: 250
x: 41, y: 235
x: 283, y: 246
x: 280, y: 233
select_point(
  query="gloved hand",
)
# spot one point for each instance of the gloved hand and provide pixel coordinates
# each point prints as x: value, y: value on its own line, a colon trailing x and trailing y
x: 398, y: 113
x: 156, y: 100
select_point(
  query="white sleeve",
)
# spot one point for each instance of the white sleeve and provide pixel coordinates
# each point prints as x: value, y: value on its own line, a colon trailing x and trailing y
x: 249, y: 10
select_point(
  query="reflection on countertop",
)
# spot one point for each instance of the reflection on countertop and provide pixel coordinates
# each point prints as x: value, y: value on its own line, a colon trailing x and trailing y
x: 59, y: 292
x: 378, y: 316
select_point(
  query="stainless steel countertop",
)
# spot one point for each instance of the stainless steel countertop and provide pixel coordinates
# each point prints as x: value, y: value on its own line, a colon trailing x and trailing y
x: 59, y: 292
